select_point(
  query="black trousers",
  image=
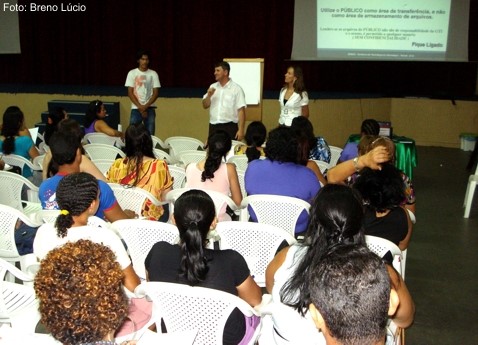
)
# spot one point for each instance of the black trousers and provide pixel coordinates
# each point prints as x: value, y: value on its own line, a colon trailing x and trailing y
x: 230, y: 127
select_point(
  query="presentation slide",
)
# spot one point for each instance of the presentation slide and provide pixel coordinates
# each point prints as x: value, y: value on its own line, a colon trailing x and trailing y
x: 383, y: 28
x: 435, y: 30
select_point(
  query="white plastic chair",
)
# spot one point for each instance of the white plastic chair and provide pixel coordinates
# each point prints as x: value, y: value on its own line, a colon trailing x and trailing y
x: 8, y: 221
x: 240, y: 161
x: 179, y: 176
x: 102, y: 138
x: 381, y: 247
x: 11, y: 186
x: 133, y: 198
x: 242, y: 182
x: 103, y: 165
x: 160, y: 154
x: 20, y: 161
x: 257, y: 243
x: 140, y: 235
x: 281, y: 211
x: 191, y: 156
x: 38, y: 162
x: 470, y: 192
x: 178, y: 144
x: 335, y: 153
x: 184, y: 307
x: 158, y: 143
x: 103, y: 151
x: 18, y: 305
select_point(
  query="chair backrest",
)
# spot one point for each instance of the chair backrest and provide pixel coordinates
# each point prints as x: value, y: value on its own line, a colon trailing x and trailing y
x: 8, y: 221
x: 160, y: 154
x: 281, y: 211
x: 184, y: 307
x: 102, y: 138
x: 219, y: 199
x: 334, y: 155
x: 140, y: 235
x: 158, y: 143
x: 178, y: 144
x: 103, y: 165
x: 103, y: 151
x: 133, y: 198
x: 323, y: 166
x: 18, y: 304
x: 38, y: 162
x: 12, y: 185
x: 381, y: 247
x: 191, y: 156
x: 242, y: 182
x: 19, y: 161
x: 179, y: 176
x: 240, y: 161
x: 257, y: 243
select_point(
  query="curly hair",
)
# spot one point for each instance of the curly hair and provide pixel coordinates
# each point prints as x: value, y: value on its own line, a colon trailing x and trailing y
x: 13, y: 119
x: 282, y: 145
x: 74, y: 194
x: 218, y: 145
x: 79, y: 286
x: 381, y: 189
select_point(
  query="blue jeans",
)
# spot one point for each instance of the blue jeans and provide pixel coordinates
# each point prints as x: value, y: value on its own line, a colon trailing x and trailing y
x: 149, y: 121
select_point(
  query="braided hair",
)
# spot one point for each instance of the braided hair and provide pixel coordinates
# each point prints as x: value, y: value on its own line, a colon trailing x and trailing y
x: 194, y: 213
x: 218, y: 145
x: 74, y: 195
x: 336, y: 220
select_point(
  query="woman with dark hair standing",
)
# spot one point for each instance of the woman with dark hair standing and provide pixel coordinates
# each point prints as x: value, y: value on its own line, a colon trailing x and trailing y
x: 255, y: 137
x: 214, y: 173
x: 12, y: 141
x: 293, y: 97
x: 336, y: 220
x: 94, y: 120
x: 77, y: 197
x: 140, y: 169
x: 193, y: 264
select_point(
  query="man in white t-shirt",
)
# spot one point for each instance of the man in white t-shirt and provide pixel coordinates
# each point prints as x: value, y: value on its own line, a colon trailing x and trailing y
x: 143, y: 90
x: 226, y: 103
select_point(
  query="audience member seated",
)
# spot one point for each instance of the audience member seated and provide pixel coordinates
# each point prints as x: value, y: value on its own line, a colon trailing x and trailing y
x: 66, y: 154
x: 280, y: 173
x: 383, y: 192
x: 81, y: 298
x: 54, y: 118
x: 140, y: 169
x: 191, y: 263
x: 319, y: 149
x: 94, y: 120
x: 255, y: 137
x: 14, y: 142
x: 351, y: 296
x: 77, y: 197
x: 336, y: 219
x: 374, y: 151
x: 73, y: 128
x: 368, y: 127
x: 214, y: 173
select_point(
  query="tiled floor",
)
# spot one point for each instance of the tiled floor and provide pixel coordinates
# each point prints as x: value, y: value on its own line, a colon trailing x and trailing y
x: 441, y: 270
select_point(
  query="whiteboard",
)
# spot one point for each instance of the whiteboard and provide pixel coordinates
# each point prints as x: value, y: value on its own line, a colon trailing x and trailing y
x: 248, y: 76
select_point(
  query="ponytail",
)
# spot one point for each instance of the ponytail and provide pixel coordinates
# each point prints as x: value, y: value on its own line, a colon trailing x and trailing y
x: 193, y: 261
x: 64, y: 221
x: 218, y: 145
x: 252, y: 153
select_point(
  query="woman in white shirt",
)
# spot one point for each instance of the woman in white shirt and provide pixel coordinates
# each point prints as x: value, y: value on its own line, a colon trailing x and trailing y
x: 293, y: 98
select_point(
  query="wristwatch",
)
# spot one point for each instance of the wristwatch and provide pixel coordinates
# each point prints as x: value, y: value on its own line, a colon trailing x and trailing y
x: 356, y: 164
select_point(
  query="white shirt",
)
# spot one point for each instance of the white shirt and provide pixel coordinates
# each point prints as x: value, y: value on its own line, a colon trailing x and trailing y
x: 226, y: 102
x: 47, y: 239
x: 293, y: 106
x: 143, y: 84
